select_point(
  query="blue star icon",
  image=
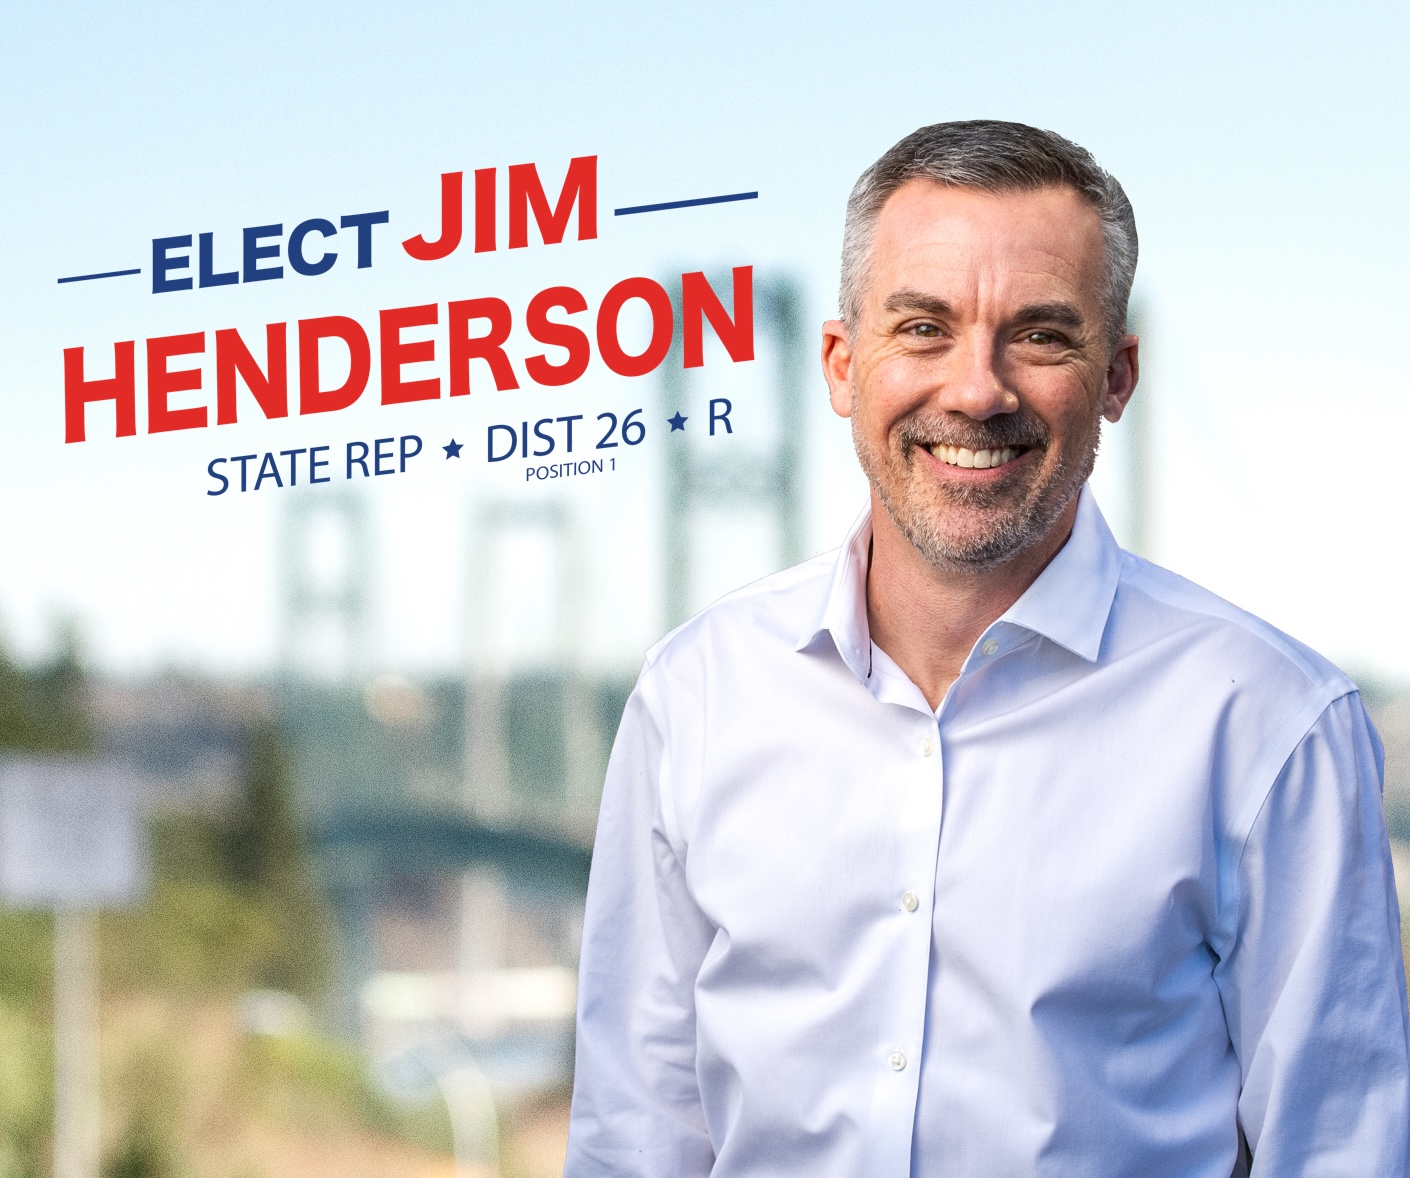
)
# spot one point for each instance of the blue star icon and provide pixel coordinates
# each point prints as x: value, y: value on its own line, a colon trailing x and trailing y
x: 453, y: 450
x: 677, y: 422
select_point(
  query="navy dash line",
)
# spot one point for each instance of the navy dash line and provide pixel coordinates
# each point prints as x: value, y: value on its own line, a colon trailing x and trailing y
x: 105, y: 274
x: 685, y: 204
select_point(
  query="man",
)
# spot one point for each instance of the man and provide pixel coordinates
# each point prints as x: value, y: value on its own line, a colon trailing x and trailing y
x: 982, y: 847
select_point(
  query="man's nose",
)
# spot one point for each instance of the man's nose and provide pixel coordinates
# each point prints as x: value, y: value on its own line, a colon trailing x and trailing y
x: 974, y: 384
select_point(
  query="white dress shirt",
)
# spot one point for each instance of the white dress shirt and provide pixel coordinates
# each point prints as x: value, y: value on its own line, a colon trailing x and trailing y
x: 1126, y: 893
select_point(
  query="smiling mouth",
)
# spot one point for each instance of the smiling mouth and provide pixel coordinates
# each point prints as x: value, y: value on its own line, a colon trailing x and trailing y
x: 977, y: 459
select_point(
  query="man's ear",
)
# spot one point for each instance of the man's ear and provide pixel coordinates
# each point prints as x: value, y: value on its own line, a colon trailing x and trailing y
x: 837, y: 366
x: 1122, y: 373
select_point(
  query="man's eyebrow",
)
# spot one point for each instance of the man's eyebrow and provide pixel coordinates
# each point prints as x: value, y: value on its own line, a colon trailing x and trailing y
x: 917, y: 300
x: 1058, y: 314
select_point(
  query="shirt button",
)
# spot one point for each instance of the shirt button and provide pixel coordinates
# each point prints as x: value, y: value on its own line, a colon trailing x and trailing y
x: 896, y: 1061
x: 990, y: 647
x: 927, y: 746
x: 910, y: 902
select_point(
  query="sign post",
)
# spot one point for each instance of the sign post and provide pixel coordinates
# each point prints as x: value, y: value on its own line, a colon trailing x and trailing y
x: 71, y: 841
x: 76, y: 1153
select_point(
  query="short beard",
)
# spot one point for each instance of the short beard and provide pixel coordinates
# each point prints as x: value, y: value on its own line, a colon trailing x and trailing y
x: 1013, y: 527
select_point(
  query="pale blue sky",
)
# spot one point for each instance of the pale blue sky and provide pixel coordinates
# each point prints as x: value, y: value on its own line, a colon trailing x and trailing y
x: 1264, y: 148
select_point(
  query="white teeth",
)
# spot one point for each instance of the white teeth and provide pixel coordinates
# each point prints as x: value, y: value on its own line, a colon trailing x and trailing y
x: 975, y: 459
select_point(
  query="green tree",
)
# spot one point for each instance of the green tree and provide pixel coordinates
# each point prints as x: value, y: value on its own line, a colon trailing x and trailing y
x: 269, y: 854
x: 44, y: 709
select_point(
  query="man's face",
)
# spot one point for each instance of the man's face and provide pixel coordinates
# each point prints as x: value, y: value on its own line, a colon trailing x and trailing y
x: 978, y: 372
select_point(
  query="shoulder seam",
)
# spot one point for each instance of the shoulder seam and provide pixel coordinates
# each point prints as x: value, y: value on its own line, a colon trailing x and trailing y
x: 1144, y: 576
x: 1273, y: 758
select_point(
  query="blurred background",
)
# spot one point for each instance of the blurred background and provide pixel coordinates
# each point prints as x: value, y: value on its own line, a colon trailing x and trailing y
x: 362, y: 732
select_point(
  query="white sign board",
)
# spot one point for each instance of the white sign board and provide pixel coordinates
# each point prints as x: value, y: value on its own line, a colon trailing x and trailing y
x: 71, y: 834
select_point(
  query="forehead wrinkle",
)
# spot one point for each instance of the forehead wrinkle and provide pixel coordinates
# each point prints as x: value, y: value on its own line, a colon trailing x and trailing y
x: 912, y: 241
x: 1041, y: 277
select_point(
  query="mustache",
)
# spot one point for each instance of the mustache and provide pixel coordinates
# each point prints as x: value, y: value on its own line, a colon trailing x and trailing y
x: 1009, y: 429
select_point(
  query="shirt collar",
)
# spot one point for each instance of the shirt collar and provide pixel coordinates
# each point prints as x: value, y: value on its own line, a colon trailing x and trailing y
x: 843, y: 613
x: 1068, y: 603
x: 1071, y: 600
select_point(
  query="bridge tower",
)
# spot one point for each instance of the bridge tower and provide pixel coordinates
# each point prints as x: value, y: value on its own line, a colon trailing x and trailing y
x: 325, y: 565
x: 756, y: 476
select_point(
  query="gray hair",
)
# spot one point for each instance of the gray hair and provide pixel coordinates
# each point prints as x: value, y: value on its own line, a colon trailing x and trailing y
x: 992, y: 156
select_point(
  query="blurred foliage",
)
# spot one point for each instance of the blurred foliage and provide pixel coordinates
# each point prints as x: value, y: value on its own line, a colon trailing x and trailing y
x: 313, y: 1083
x: 147, y: 1147
x: 319, y: 1084
x: 26, y: 963
x: 269, y: 853
x: 234, y: 905
x: 44, y: 709
x: 146, y: 1151
x: 234, y: 902
x: 26, y: 1085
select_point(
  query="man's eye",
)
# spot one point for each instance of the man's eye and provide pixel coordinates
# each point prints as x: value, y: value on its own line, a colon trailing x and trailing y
x: 926, y: 330
x: 1041, y: 338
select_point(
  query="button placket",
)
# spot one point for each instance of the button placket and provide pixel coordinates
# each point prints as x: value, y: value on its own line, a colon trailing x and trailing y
x: 919, y: 769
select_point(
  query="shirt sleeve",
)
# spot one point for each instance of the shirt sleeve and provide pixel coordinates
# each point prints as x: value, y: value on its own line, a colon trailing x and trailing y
x: 636, y: 1102
x: 1314, y: 987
